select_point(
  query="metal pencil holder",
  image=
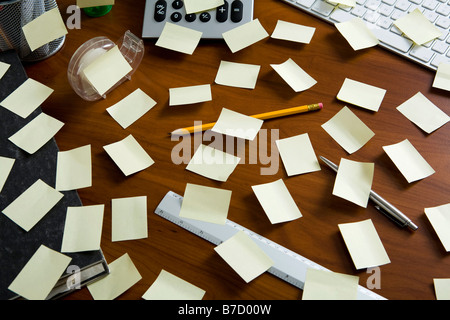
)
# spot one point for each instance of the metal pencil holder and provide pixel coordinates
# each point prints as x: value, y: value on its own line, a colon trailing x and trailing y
x: 14, y: 14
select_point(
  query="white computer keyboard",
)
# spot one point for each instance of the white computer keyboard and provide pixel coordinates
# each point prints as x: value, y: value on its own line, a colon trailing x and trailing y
x: 380, y: 16
x: 212, y: 23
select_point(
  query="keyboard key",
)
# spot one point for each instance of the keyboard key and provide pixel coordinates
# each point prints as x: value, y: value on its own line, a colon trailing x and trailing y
x: 384, y: 22
x: 443, y: 9
x: 176, y: 17
x: 402, y: 5
x: 190, y: 17
x: 160, y: 10
x: 177, y: 4
x: 421, y: 53
x: 385, y: 10
x: 391, y: 39
x: 306, y: 3
x: 323, y: 8
x: 237, y: 8
x: 205, y: 17
x: 340, y: 15
x: 222, y: 12
x: 437, y: 60
x: 440, y: 47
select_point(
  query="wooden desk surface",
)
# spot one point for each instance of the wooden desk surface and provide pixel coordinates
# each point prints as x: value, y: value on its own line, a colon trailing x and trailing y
x: 416, y: 257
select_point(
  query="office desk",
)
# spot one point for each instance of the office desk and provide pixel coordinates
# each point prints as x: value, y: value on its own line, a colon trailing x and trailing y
x: 416, y: 257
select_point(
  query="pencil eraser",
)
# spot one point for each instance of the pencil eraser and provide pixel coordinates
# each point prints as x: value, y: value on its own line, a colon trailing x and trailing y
x: 321, y: 105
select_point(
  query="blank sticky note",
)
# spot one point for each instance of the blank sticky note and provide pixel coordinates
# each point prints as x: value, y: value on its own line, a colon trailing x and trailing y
x: 32, y: 205
x: 417, y: 27
x: 129, y: 218
x: 240, y: 75
x: 40, y: 274
x: 364, y: 244
x: 131, y: 108
x: 244, y: 256
x: 442, y: 77
x: 276, y: 201
x: 179, y: 38
x: 6, y: 165
x: 361, y: 94
x: 74, y: 169
x: 294, y: 75
x: 442, y: 288
x: 298, y: 155
x: 212, y: 163
x: 348, y: 130
x: 123, y: 274
x: 326, y: 285
x: 408, y: 161
x: 423, y: 113
x: 107, y: 70
x: 190, y: 95
x: 36, y: 133
x: 194, y: 6
x: 439, y: 218
x: 83, y: 228
x: 27, y: 98
x: 354, y: 181
x: 205, y: 203
x: 245, y: 35
x: 44, y: 29
x: 170, y: 287
x: 235, y: 124
x: 4, y: 67
x: 129, y: 155
x: 293, y: 32
x: 357, y: 34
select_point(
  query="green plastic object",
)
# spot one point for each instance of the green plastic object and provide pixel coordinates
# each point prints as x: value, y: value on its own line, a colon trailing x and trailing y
x: 97, y: 11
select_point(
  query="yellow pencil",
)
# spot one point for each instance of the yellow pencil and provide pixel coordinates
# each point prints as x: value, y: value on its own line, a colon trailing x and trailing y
x: 261, y: 116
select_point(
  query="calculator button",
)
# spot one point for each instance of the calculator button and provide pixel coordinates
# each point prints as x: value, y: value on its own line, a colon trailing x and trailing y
x: 222, y: 12
x: 177, y: 4
x: 160, y: 10
x: 205, y: 17
x: 237, y: 8
x: 176, y: 17
x: 190, y: 17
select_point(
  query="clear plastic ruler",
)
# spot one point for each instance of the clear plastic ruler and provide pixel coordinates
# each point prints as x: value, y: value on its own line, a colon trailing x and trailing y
x: 288, y: 265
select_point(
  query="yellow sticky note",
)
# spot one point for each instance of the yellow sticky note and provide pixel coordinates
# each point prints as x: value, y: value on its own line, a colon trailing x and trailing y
x: 74, y: 169
x: 94, y: 3
x: 205, y: 203
x: 4, y: 67
x: 44, y: 29
x: 417, y: 27
x: 348, y: 130
x: 131, y: 108
x: 123, y: 274
x: 277, y: 202
x: 354, y: 181
x: 107, y: 70
x: 27, y: 98
x: 41, y: 273
x: 327, y: 285
x: 244, y: 256
x: 298, y: 155
x: 6, y: 165
x: 439, y: 218
x: 442, y: 77
x: 357, y: 33
x: 361, y: 94
x: 212, y: 163
x: 408, y: 161
x: 129, y: 218
x: 83, y: 228
x: 36, y: 133
x: 179, y: 38
x: 32, y: 205
x: 293, y: 32
x: 245, y: 35
x: 190, y: 95
x: 129, y: 155
x: 442, y: 289
x: 235, y: 124
x: 294, y: 75
x: 364, y: 244
x: 240, y: 75
x: 194, y: 6
x: 170, y: 287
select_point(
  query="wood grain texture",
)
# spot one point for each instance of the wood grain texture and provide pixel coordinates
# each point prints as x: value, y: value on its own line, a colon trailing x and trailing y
x: 416, y: 258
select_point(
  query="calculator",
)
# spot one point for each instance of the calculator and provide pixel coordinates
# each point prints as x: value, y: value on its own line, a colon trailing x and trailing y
x: 211, y: 23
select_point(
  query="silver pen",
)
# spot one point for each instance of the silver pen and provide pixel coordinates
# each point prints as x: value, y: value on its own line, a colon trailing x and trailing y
x: 382, y: 205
